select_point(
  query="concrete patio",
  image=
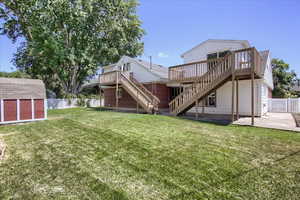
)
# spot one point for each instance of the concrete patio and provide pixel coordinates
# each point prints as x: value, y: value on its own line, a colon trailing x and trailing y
x: 283, y: 121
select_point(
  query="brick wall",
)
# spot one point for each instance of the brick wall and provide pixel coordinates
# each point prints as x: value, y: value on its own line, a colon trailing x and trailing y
x: 126, y: 101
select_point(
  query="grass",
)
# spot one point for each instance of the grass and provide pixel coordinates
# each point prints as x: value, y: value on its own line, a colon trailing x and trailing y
x: 92, y: 154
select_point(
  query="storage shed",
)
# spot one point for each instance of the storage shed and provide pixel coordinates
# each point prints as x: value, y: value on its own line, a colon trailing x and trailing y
x: 22, y: 100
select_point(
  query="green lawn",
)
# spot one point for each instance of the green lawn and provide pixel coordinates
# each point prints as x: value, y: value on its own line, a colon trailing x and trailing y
x: 90, y: 154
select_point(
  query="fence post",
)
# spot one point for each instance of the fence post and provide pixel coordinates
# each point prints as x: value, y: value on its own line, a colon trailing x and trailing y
x: 298, y: 105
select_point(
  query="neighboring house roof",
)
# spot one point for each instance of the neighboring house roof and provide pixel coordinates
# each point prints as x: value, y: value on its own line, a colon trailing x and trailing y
x: 245, y: 43
x: 19, y: 88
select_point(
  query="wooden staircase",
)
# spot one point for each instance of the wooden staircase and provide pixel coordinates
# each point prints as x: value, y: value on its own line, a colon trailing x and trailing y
x: 219, y: 73
x: 138, y: 91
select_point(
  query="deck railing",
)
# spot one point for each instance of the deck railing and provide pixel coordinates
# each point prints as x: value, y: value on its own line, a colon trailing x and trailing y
x: 137, y: 89
x: 243, y: 59
x: 108, y: 77
x: 203, y: 84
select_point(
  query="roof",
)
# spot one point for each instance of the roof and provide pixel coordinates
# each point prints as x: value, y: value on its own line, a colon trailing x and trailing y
x: 158, y: 70
x: 244, y: 42
x: 264, y: 55
x: 19, y: 88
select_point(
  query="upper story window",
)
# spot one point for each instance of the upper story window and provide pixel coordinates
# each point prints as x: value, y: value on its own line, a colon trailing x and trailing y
x: 125, y: 67
x: 215, y: 55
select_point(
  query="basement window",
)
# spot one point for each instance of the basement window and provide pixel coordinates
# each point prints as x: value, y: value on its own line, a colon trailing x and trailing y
x: 211, y: 100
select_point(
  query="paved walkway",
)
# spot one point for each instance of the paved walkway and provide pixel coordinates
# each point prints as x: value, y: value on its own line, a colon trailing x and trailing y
x: 283, y: 121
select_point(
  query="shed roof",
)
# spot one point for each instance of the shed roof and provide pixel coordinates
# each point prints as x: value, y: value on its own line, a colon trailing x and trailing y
x: 19, y: 88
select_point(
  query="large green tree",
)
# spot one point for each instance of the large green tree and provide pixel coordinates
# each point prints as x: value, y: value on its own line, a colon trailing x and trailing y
x: 65, y: 41
x: 15, y: 74
x: 283, y: 79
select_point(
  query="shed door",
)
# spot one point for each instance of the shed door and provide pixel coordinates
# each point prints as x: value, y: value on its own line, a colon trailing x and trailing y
x: 25, y: 109
x: 10, y: 110
x: 39, y: 108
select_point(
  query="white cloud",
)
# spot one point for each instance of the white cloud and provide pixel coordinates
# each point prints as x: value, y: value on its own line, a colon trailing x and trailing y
x: 162, y: 55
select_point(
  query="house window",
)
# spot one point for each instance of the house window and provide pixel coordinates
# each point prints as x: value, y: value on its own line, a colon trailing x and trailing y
x: 124, y: 67
x: 211, y: 100
x: 217, y: 55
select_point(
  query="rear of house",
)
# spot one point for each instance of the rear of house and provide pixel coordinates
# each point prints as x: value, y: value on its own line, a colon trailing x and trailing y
x: 219, y: 101
x: 216, y: 77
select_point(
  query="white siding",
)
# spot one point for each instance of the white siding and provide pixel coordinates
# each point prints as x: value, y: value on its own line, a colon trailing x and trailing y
x: 200, y: 53
x: 224, y: 99
x: 268, y: 76
x: 141, y: 73
x: 264, y: 98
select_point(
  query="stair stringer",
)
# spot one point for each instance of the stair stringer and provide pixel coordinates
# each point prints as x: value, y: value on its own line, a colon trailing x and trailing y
x: 137, y: 94
x: 201, y: 94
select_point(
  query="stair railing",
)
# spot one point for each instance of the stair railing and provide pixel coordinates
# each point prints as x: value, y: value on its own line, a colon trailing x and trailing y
x: 218, y: 69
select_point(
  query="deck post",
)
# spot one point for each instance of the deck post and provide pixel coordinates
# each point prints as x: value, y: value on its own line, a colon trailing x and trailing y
x: 100, y: 97
x: 197, y: 107
x: 117, y: 91
x: 237, y: 99
x: 252, y: 87
x: 232, y: 82
x: 203, y: 105
x: 137, y: 104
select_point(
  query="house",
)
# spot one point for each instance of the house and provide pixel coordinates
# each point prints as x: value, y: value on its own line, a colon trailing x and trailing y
x: 134, y: 80
x: 296, y: 86
x: 22, y: 100
x: 216, y: 77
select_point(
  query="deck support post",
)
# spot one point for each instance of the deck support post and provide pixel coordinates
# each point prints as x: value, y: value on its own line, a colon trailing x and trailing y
x: 117, y: 91
x: 237, y: 99
x: 232, y: 82
x: 203, y: 104
x: 100, y: 96
x: 137, y: 102
x: 252, y: 97
x: 252, y: 94
x: 197, y: 107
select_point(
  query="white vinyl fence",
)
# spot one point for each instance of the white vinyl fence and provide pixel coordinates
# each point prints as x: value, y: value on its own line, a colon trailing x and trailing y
x: 288, y: 105
x: 71, y: 103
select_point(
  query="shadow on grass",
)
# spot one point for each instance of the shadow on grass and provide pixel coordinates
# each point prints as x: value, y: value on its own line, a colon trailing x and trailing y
x: 210, y: 119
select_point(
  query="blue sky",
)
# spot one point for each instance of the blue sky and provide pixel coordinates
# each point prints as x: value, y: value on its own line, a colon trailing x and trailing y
x: 174, y: 26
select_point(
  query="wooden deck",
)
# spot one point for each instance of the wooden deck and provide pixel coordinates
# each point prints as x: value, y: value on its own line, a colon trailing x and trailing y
x: 243, y: 61
x: 205, y: 76
x: 137, y: 91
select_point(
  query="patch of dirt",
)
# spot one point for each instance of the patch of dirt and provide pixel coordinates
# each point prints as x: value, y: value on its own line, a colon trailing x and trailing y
x: 2, y: 149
